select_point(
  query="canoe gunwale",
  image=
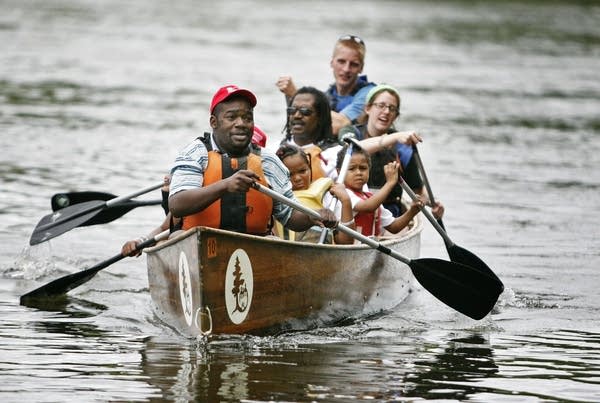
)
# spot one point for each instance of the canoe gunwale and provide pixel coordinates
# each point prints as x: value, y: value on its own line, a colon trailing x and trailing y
x: 415, y: 229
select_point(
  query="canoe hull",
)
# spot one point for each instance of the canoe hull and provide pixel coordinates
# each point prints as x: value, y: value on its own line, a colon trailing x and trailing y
x: 213, y: 281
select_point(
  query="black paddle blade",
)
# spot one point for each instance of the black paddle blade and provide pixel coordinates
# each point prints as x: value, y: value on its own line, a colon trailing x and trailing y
x: 62, y: 200
x: 110, y: 213
x: 113, y: 212
x: 64, y: 284
x: 61, y: 221
x: 463, y: 288
x: 463, y: 256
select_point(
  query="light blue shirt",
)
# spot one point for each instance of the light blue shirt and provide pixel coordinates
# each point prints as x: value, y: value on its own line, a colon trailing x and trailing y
x: 353, y: 105
x: 357, y: 104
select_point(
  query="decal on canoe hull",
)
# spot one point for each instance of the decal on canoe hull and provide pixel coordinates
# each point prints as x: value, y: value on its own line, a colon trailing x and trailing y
x: 239, y: 285
x: 185, y: 288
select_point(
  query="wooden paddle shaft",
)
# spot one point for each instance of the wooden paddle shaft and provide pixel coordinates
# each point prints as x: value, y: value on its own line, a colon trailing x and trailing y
x: 120, y: 199
x: 310, y: 212
x: 422, y: 170
x: 340, y: 179
x: 427, y: 214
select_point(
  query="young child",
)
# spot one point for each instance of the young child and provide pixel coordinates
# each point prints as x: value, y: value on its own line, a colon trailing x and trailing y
x: 311, y: 193
x: 370, y: 217
x: 298, y: 163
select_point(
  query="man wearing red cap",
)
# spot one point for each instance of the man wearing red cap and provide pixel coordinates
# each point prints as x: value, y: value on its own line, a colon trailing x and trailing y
x: 212, y: 177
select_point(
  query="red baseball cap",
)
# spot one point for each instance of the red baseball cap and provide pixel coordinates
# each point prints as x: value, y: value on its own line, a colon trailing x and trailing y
x: 259, y: 137
x: 229, y: 90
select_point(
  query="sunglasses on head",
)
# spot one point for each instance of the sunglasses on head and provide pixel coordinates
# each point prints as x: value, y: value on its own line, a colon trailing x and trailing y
x: 354, y: 38
x: 291, y: 110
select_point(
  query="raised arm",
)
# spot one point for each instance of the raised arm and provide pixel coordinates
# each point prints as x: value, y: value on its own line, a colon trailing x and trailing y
x: 374, y: 144
x: 287, y: 87
x: 338, y: 120
x: 372, y: 203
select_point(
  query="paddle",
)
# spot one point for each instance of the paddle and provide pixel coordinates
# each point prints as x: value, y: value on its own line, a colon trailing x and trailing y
x: 63, y: 200
x: 341, y: 176
x: 463, y: 288
x: 456, y: 253
x: 425, y: 180
x: 66, y: 283
x: 63, y: 220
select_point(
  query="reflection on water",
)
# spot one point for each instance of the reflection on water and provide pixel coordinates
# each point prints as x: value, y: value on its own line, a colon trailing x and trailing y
x: 460, y: 368
x: 60, y: 354
x: 463, y: 362
x: 67, y: 354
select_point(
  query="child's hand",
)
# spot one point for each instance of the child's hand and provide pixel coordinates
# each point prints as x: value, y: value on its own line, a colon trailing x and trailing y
x: 417, y: 205
x: 339, y: 190
x: 391, y: 172
x: 437, y: 210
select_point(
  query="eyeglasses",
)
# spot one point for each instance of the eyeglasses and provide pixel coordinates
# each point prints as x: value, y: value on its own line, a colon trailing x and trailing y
x: 352, y: 38
x: 291, y: 110
x: 382, y: 105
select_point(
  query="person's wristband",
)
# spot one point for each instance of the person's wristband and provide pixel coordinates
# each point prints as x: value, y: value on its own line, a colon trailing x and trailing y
x: 346, y: 224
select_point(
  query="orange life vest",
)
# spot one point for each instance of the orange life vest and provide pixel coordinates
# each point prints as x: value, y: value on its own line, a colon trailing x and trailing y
x: 315, y: 162
x: 311, y: 198
x: 248, y: 212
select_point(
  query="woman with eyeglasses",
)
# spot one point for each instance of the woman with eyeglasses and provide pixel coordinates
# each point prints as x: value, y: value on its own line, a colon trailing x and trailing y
x: 347, y: 94
x: 381, y: 111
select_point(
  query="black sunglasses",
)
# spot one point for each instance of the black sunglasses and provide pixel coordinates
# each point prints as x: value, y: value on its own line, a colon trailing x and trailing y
x: 354, y: 38
x: 291, y: 110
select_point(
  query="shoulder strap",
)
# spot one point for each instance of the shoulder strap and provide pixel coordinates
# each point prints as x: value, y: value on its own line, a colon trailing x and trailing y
x: 205, y: 139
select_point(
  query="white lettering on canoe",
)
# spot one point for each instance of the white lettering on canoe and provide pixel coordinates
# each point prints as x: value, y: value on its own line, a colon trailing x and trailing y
x: 185, y: 288
x: 239, y: 285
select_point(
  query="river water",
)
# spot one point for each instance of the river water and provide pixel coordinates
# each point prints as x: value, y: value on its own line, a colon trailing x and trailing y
x: 100, y: 95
